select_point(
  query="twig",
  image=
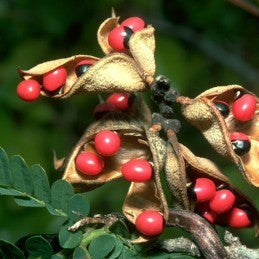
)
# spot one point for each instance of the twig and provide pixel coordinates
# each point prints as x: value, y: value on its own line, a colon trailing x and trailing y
x: 204, y: 235
x: 247, y: 6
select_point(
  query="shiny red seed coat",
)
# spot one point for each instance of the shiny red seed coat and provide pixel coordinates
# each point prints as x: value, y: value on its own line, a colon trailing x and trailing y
x: 206, y: 212
x: 205, y: 189
x: 238, y: 136
x: 107, y: 143
x: 137, y: 170
x: 222, y: 201
x: 116, y: 39
x: 237, y: 218
x: 28, y: 90
x: 85, y: 62
x: 244, y: 107
x: 134, y: 23
x: 119, y: 100
x: 150, y: 223
x: 55, y: 79
x: 89, y: 163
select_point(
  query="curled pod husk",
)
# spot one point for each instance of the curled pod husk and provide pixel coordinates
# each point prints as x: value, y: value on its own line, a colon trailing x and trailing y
x: 148, y: 195
x: 141, y: 46
x: 194, y: 167
x: 114, y: 73
x: 203, y: 114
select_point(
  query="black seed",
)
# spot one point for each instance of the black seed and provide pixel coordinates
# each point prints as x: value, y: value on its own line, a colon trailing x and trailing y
x: 128, y: 34
x: 81, y: 69
x: 238, y: 94
x: 223, y: 108
x: 191, y: 193
x: 166, y: 110
x: 241, y: 147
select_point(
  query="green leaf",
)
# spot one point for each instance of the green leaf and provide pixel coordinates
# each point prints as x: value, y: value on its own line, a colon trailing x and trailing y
x: 78, y: 207
x: 21, y: 177
x: 69, y: 239
x: 101, y: 246
x: 10, y: 192
x: 27, y: 202
x: 81, y: 253
x: 10, y: 251
x: 61, y: 192
x: 40, y: 183
x: 129, y: 254
x: 120, y: 228
x: 117, y: 249
x: 39, y: 247
x: 5, y: 177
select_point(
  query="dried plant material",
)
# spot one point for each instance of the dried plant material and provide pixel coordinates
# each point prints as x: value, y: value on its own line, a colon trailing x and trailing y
x: 69, y: 64
x: 130, y: 148
x: 142, y: 48
x: 114, y: 73
x: 103, y: 31
x: 202, y: 113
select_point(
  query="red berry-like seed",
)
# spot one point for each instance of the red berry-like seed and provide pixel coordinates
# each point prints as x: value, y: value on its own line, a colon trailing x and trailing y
x: 103, y: 108
x: 134, y: 23
x: 83, y: 66
x: 55, y: 79
x: 119, y: 100
x: 238, y: 136
x: 137, y: 170
x: 150, y: 223
x: 206, y: 212
x: 89, y: 163
x: 237, y: 218
x: 244, y: 107
x: 28, y: 90
x: 107, y: 143
x: 204, y: 189
x: 222, y: 201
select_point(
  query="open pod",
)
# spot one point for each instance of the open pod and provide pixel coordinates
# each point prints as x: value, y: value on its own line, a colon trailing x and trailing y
x: 204, y: 113
x: 141, y: 46
x: 114, y: 73
x: 193, y: 168
x: 148, y: 196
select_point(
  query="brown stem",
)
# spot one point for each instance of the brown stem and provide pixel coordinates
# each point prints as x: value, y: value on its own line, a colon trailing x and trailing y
x: 204, y: 235
x: 247, y: 6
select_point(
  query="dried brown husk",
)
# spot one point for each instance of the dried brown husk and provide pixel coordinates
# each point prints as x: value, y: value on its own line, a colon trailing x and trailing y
x: 193, y: 167
x: 141, y: 47
x: 202, y: 113
x: 114, y: 73
x: 148, y: 195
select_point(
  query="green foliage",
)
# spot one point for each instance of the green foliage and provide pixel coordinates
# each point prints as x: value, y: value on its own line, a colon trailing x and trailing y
x: 30, y: 188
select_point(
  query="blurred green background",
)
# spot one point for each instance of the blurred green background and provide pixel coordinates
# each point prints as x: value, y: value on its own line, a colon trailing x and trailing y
x: 199, y: 44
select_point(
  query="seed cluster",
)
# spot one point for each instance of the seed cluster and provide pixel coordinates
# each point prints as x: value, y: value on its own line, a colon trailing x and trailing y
x: 51, y: 82
x: 219, y: 204
x: 243, y: 109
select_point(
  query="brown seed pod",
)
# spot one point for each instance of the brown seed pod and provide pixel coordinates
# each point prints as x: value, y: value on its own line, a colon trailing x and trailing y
x: 141, y: 47
x: 125, y: 76
x: 193, y: 167
x: 203, y: 114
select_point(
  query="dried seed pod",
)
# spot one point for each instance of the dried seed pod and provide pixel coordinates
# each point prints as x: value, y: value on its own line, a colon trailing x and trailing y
x: 141, y: 46
x: 204, y: 114
x: 149, y: 195
x: 125, y: 76
x: 180, y: 174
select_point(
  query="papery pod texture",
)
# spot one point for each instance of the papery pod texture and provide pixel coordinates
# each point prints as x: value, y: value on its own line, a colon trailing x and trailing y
x: 114, y: 73
x: 181, y: 174
x: 141, y: 47
x: 203, y: 114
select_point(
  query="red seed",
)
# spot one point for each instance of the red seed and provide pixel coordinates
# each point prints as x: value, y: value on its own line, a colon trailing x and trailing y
x: 244, y: 107
x: 134, y: 23
x: 150, y: 223
x: 28, y: 90
x: 119, y: 100
x: 222, y: 201
x: 137, y: 170
x: 206, y: 212
x: 107, y: 143
x: 83, y: 66
x: 55, y: 79
x: 237, y: 218
x: 238, y: 136
x: 89, y: 163
x: 101, y: 109
x: 204, y: 189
